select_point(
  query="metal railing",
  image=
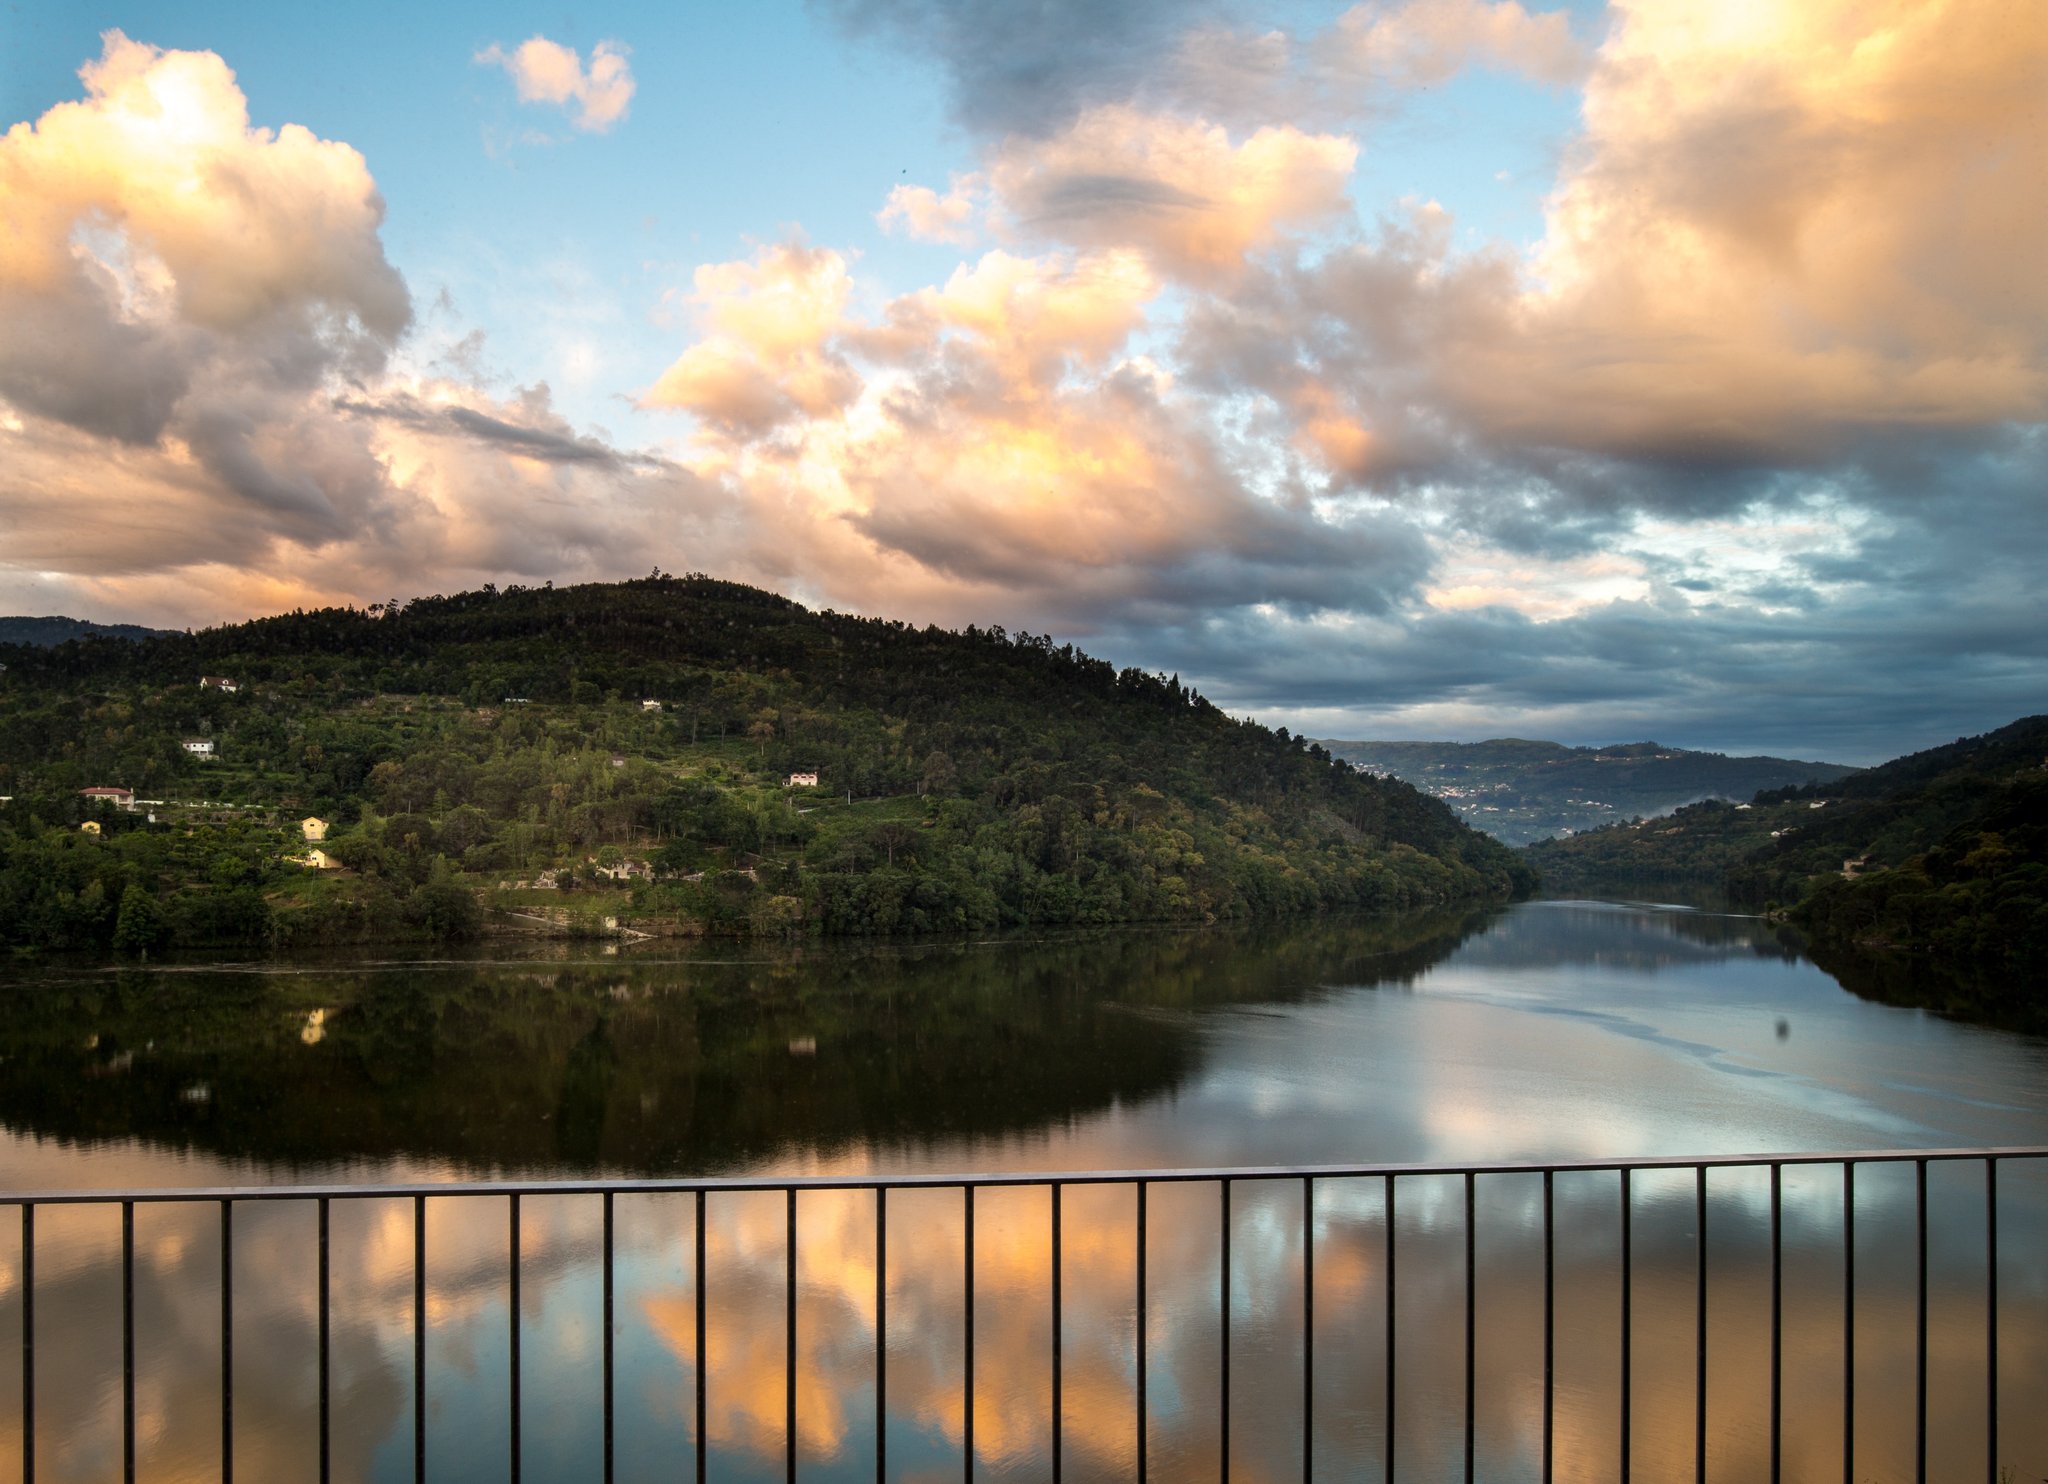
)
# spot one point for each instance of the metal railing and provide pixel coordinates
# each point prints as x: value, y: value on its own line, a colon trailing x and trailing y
x: 1390, y: 1177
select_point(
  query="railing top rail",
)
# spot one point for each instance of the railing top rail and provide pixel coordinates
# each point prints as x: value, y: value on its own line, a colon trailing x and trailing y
x: 742, y: 1184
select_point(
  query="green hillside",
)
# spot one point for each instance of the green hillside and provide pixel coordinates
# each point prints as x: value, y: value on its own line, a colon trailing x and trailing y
x: 619, y: 759
x: 1522, y: 791
x: 1936, y: 862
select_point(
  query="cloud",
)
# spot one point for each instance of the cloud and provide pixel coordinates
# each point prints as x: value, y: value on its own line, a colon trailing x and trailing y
x: 992, y: 444
x: 1181, y: 191
x: 204, y: 409
x: 1428, y: 41
x: 1033, y: 70
x: 924, y: 214
x: 764, y: 358
x: 178, y: 284
x: 547, y: 72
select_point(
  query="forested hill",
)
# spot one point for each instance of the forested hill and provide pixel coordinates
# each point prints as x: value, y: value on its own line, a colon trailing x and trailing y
x: 647, y: 745
x: 55, y: 630
x: 1523, y: 791
x: 1938, y: 859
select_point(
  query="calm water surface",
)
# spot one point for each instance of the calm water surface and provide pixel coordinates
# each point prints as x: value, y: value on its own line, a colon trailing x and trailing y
x: 1551, y: 1030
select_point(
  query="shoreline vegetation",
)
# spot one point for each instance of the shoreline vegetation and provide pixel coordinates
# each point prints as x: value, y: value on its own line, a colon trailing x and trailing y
x: 1922, y: 881
x: 668, y: 757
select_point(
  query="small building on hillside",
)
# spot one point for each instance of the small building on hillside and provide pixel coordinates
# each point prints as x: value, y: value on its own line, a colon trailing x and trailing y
x: 650, y: 705
x: 313, y: 827
x: 218, y: 682
x: 198, y: 746
x: 803, y: 780
x: 319, y: 860
x: 120, y: 798
x: 90, y: 827
x: 618, y: 760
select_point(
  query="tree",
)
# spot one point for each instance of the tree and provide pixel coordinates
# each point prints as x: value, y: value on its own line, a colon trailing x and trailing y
x: 140, y: 925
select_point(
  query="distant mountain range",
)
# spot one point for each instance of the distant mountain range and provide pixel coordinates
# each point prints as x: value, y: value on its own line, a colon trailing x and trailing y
x: 1522, y: 791
x: 44, y: 632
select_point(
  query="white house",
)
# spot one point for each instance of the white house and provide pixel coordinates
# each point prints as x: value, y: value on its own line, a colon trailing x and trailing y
x: 650, y: 705
x: 121, y: 797
x: 199, y: 746
x: 218, y: 682
x: 803, y: 780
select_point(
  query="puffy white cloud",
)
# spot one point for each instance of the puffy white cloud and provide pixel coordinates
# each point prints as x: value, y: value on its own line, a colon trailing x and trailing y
x: 923, y: 213
x: 545, y: 71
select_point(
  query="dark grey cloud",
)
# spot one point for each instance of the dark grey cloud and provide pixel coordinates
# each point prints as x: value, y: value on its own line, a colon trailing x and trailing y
x: 1029, y: 68
x: 552, y: 445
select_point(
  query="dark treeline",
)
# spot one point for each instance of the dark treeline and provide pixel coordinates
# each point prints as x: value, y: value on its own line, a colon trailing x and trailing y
x: 461, y: 746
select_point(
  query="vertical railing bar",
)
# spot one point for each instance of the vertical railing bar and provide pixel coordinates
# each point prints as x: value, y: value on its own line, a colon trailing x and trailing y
x: 419, y: 1338
x: 512, y: 1242
x: 610, y: 1341
x: 789, y: 1343
x: 326, y: 1406
x: 1848, y: 1321
x: 1549, y: 1324
x: 227, y: 1342
x: 28, y: 1342
x: 1057, y: 1389
x: 1391, y: 1249
x: 703, y: 1457
x: 1699, y: 1440
x: 967, y: 1346
x: 1628, y: 1227
x: 1471, y: 1316
x: 1308, y: 1327
x: 1143, y: 1321
x: 1991, y: 1320
x: 1223, y: 1293
x: 1920, y: 1359
x: 128, y: 1341
x: 1777, y: 1318
x: 881, y: 1333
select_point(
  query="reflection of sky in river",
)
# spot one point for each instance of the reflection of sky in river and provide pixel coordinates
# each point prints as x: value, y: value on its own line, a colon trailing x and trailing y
x: 1570, y: 1030
x: 1565, y: 1030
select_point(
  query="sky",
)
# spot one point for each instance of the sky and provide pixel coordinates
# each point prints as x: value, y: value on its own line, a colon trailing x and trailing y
x: 1414, y: 369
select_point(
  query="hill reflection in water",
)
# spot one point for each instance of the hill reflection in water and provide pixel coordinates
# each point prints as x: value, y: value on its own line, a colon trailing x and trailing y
x: 653, y: 1067
x: 1555, y: 1030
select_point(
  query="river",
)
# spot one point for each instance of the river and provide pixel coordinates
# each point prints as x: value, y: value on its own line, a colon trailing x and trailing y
x: 1546, y: 1031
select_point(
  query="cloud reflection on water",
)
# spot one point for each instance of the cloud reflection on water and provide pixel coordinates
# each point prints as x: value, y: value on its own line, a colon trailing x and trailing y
x: 1583, y: 1044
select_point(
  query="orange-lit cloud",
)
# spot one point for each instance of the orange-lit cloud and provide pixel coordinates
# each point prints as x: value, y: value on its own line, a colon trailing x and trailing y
x: 1177, y: 189
x: 1783, y: 225
x: 545, y: 71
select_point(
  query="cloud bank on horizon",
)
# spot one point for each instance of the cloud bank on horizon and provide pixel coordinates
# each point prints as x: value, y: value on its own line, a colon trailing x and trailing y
x: 1745, y: 447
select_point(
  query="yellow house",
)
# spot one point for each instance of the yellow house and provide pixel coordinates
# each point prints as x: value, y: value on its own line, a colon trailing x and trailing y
x: 320, y: 860
x: 90, y: 827
x: 312, y: 828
